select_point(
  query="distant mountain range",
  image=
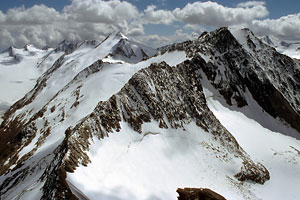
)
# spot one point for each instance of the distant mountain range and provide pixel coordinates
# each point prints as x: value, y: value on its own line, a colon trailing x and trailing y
x: 291, y: 49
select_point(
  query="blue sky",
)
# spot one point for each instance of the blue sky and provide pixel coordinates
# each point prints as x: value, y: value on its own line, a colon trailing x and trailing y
x: 155, y: 22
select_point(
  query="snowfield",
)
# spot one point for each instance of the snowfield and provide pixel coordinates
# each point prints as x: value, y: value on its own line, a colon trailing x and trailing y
x: 153, y: 164
x: 266, y: 140
x: 20, y: 69
x: 279, y: 153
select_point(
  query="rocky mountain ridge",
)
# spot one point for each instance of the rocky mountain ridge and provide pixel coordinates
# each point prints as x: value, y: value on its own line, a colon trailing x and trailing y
x: 235, y: 65
x: 47, y: 137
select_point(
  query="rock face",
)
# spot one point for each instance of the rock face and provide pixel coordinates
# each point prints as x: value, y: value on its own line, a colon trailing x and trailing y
x: 67, y: 46
x: 198, y: 194
x: 236, y: 65
x: 129, y: 50
x: 170, y: 96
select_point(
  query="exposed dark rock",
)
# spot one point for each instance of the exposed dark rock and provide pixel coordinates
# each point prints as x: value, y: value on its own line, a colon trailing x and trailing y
x: 273, y: 102
x: 122, y: 48
x: 198, y: 194
x: 15, y: 136
x: 203, y: 34
x: 56, y: 186
x: 249, y: 172
x: 272, y: 78
x: 46, y: 48
x: 67, y: 46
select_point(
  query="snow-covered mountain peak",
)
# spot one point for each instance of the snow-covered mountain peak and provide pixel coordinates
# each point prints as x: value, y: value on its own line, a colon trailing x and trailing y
x: 269, y: 40
x: 243, y: 36
x: 116, y: 36
x: 127, y: 49
x: 119, y: 35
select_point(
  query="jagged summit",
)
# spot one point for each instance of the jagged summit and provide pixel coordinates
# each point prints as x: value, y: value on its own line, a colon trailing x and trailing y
x: 236, y: 57
x: 118, y: 35
x: 115, y: 35
x: 128, y: 50
x: 67, y: 46
x: 268, y: 40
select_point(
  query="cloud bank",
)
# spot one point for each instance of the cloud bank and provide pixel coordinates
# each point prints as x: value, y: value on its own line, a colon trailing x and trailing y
x: 213, y: 14
x: 94, y: 19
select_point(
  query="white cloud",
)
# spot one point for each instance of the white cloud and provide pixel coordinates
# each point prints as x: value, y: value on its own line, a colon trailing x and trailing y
x: 195, y: 27
x: 162, y: 2
x: 38, y: 14
x: 135, y: 29
x: 2, y: 17
x: 154, y: 16
x: 89, y: 19
x: 6, y: 38
x: 94, y: 19
x: 248, y: 4
x: 162, y: 40
x: 213, y: 14
x: 99, y: 11
x: 285, y: 28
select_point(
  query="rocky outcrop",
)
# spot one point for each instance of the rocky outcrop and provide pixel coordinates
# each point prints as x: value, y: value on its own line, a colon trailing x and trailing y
x: 67, y: 46
x: 256, y: 173
x: 55, y: 186
x: 198, y: 194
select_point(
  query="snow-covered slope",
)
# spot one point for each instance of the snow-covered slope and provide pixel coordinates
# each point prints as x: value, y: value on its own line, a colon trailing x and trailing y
x: 19, y: 70
x: 64, y: 94
x: 263, y: 141
x: 106, y: 120
x: 75, y: 60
